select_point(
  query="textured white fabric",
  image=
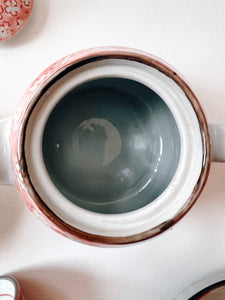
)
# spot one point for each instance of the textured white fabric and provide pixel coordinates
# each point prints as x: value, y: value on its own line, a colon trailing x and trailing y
x: 189, y: 34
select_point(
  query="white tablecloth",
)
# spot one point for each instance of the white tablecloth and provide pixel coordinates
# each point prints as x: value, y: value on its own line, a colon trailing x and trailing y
x: 189, y: 34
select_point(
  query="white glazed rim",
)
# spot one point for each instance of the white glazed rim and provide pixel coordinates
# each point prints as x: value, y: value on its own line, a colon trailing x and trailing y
x: 201, y: 285
x: 170, y: 202
x: 8, y: 287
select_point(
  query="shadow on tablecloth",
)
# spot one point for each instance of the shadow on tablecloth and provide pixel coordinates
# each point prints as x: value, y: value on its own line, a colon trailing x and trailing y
x: 54, y: 283
x: 11, y: 208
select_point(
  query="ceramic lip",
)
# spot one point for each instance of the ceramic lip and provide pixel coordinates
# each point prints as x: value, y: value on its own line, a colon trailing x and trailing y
x: 148, y: 60
x: 16, y: 294
x: 202, y: 287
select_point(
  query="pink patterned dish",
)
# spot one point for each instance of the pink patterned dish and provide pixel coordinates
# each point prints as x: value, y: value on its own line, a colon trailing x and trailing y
x: 14, y: 15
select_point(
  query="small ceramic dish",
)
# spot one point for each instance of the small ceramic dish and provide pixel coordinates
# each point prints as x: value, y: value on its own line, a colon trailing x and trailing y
x: 14, y: 15
x: 210, y: 288
x: 10, y: 289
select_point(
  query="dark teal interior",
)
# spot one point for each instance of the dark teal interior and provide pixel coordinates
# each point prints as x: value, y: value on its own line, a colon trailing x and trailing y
x: 111, y: 145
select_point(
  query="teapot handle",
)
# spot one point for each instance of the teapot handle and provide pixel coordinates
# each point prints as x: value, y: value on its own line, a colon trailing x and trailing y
x: 217, y: 136
x: 6, y: 177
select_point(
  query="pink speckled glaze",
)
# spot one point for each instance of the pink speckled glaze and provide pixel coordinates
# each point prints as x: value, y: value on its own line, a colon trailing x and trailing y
x: 21, y: 178
x: 14, y: 15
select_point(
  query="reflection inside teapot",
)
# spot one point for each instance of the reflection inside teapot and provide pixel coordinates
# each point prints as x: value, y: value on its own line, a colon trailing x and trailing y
x: 111, y: 145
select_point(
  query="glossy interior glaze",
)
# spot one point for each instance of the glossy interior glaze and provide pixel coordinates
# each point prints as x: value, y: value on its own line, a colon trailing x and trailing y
x: 83, y: 225
x: 111, y: 145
